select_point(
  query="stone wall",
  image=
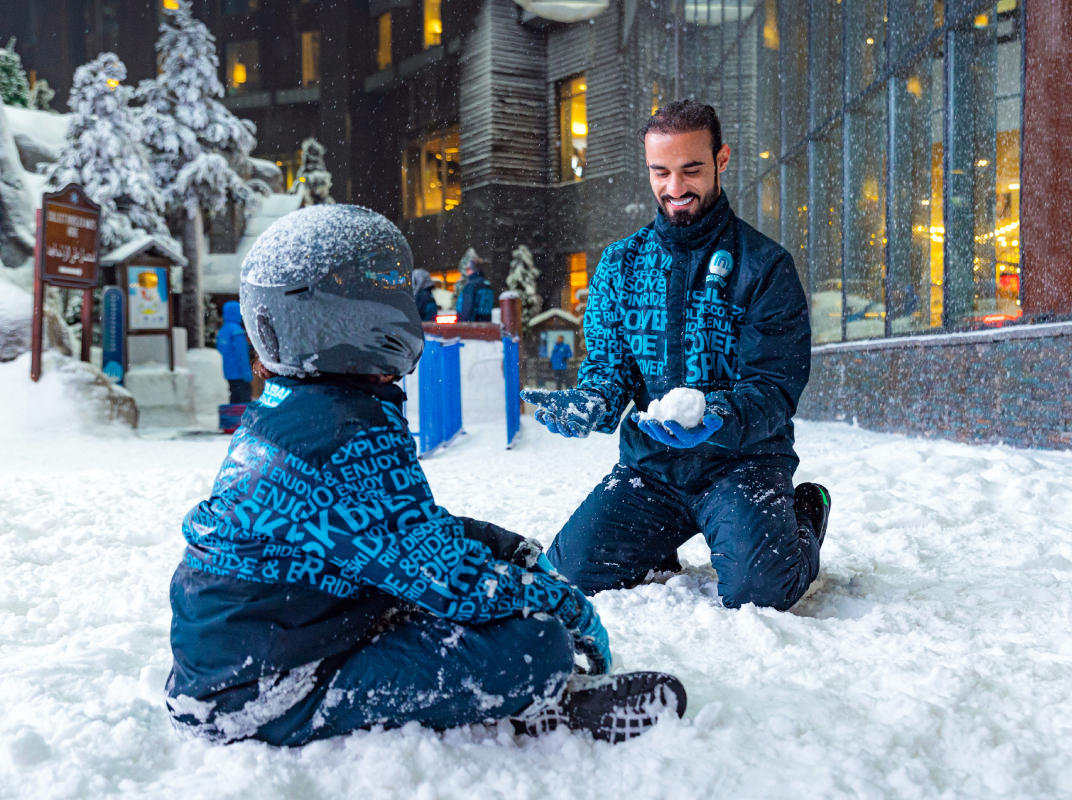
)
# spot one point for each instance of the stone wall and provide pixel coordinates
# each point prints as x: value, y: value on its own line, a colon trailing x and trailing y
x: 1011, y: 385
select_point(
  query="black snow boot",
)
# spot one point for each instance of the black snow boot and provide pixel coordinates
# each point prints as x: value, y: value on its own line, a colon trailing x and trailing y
x: 613, y: 708
x: 812, y: 501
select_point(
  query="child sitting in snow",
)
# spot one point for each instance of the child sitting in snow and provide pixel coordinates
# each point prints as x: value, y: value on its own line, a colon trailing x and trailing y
x: 322, y: 589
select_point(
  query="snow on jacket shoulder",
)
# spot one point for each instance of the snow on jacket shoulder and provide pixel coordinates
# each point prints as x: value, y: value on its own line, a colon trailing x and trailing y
x: 321, y: 509
x: 715, y: 306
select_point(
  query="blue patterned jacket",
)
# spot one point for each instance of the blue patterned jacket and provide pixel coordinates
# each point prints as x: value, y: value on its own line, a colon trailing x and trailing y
x: 321, y: 525
x: 716, y: 306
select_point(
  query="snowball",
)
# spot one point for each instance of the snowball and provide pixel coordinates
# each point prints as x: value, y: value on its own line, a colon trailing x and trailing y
x: 682, y: 405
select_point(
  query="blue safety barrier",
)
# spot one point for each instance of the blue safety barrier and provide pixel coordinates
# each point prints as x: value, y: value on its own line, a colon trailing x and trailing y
x: 440, y: 387
x: 512, y: 379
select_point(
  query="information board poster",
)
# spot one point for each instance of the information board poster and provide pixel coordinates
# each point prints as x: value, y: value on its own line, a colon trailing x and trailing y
x: 147, y: 299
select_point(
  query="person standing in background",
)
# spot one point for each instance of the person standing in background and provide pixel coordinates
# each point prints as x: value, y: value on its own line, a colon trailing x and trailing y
x: 560, y: 357
x: 233, y: 346
x: 422, y: 295
x: 477, y: 298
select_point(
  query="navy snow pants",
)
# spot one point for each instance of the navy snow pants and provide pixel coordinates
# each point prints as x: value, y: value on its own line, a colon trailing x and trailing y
x: 425, y: 670
x: 631, y: 522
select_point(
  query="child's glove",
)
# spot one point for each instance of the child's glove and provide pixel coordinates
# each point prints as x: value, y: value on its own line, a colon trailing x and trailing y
x: 589, y: 636
x: 571, y: 412
x: 673, y: 435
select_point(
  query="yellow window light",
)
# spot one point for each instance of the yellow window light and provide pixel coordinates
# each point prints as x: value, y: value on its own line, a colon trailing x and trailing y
x: 433, y: 23
x: 982, y: 21
x: 765, y: 154
x: 171, y: 5
x: 112, y: 84
x: 579, y: 128
x: 238, y: 75
x: 1013, y: 187
x: 870, y: 40
x: 914, y: 86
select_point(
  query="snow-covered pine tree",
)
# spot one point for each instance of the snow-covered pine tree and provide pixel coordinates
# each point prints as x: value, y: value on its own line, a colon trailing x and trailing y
x: 193, y: 140
x: 522, y: 279
x: 313, y: 181
x: 103, y: 153
x: 14, y: 88
x: 41, y: 95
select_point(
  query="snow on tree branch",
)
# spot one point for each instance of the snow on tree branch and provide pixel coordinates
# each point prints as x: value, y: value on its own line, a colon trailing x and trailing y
x: 105, y: 156
x: 194, y: 140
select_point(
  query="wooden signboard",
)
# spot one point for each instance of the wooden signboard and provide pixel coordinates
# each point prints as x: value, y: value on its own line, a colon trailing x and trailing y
x: 67, y: 255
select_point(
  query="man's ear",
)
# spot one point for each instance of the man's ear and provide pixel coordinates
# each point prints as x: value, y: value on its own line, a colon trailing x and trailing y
x: 722, y: 158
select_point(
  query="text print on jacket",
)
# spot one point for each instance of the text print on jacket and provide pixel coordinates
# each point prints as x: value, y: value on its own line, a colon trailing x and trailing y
x: 358, y: 516
x: 715, y: 306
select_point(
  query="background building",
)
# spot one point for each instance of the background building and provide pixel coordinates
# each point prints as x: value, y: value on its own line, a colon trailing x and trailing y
x: 912, y: 156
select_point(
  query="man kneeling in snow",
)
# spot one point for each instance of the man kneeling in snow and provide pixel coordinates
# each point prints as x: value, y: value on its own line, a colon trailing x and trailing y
x: 322, y: 589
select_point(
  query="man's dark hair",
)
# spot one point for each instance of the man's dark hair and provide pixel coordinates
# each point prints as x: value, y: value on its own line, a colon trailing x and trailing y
x: 685, y: 116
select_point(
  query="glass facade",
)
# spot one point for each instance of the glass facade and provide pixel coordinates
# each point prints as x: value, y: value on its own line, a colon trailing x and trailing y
x: 310, y: 59
x: 431, y: 174
x: 433, y: 23
x: 879, y: 142
x: 383, y: 41
x: 243, y: 67
x: 572, y: 128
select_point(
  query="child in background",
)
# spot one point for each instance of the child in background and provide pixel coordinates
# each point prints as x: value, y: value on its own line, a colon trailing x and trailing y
x: 233, y: 346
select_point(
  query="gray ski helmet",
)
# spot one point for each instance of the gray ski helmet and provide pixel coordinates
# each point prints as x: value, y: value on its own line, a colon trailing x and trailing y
x: 327, y: 289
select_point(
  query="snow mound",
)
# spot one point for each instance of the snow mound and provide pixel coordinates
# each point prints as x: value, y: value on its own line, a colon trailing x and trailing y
x: 39, y: 135
x: 71, y: 398
x: 16, y: 321
x: 681, y: 405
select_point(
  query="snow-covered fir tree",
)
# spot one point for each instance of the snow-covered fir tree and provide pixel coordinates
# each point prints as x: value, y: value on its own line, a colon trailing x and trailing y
x: 14, y: 88
x: 41, y: 95
x: 103, y: 153
x: 522, y: 279
x: 194, y: 141
x: 313, y: 181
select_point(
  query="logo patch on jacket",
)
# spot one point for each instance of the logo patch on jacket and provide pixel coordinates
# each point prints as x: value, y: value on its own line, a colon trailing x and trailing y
x: 273, y: 395
x: 720, y: 266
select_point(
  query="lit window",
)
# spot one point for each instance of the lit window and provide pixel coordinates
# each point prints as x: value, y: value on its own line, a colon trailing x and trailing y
x: 578, y: 280
x: 573, y: 128
x: 383, y: 47
x: 433, y: 23
x: 310, y: 58
x: 169, y: 5
x: 243, y: 67
x: 431, y: 174
x: 654, y: 97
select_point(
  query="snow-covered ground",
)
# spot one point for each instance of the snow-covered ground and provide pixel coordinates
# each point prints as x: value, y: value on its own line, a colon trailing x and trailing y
x: 933, y: 657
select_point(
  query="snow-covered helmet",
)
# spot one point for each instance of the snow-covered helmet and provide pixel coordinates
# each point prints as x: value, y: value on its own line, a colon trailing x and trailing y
x: 327, y: 289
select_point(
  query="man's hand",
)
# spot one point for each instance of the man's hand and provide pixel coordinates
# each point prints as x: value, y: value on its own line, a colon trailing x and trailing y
x: 673, y: 435
x: 571, y: 413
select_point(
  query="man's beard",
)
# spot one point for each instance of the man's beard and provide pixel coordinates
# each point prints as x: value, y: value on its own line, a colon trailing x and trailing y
x: 682, y: 219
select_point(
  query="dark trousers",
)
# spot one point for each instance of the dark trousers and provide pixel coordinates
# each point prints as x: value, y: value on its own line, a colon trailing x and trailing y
x: 561, y: 379
x: 425, y: 669
x: 241, y: 391
x: 631, y: 522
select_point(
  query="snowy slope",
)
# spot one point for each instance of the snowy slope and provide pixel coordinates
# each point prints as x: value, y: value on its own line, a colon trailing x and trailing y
x: 932, y: 659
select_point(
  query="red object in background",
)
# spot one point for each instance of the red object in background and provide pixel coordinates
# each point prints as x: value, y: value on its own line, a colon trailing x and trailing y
x: 446, y: 319
x: 1009, y: 283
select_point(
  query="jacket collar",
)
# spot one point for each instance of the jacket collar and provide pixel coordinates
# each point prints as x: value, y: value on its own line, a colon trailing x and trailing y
x: 387, y: 392
x: 700, y: 233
